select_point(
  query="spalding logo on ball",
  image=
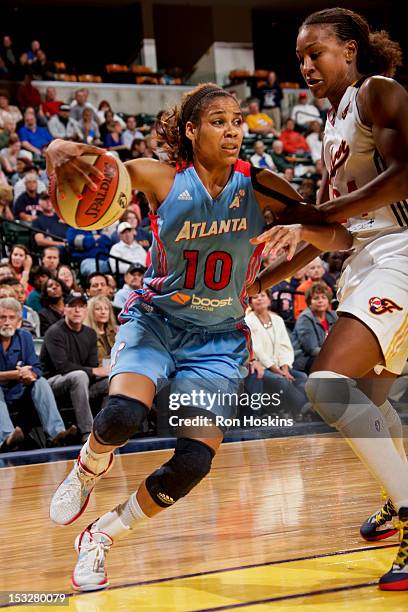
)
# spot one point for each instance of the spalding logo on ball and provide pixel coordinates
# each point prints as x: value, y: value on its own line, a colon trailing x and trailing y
x: 96, y: 209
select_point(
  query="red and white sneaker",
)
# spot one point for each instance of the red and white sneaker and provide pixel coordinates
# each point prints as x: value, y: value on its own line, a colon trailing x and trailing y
x: 72, y: 496
x: 90, y: 571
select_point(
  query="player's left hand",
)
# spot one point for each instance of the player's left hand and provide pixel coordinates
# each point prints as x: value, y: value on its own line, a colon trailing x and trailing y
x: 280, y: 237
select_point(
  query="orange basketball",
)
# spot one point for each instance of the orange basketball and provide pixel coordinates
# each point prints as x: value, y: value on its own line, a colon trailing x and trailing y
x: 96, y: 209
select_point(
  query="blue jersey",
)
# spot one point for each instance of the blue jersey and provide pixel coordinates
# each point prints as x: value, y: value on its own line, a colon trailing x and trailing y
x: 202, y: 261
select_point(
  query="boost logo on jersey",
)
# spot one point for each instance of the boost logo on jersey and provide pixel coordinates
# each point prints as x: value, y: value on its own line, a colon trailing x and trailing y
x: 379, y: 306
x: 209, y: 304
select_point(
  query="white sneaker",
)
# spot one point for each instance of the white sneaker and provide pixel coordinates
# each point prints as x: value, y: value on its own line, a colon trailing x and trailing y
x: 72, y: 496
x: 90, y: 571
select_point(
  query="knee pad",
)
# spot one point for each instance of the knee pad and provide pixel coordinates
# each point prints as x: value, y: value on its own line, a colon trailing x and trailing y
x: 119, y: 420
x: 190, y: 463
x: 331, y: 394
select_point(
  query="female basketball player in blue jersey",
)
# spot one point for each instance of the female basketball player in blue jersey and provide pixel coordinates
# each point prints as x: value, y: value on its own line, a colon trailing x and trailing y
x: 365, y: 152
x: 187, y: 323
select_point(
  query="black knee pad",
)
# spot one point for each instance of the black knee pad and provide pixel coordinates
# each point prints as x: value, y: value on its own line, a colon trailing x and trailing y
x: 190, y: 463
x: 119, y: 420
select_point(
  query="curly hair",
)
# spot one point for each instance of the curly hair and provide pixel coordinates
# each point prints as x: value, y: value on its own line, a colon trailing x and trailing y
x: 171, y: 125
x: 376, y: 52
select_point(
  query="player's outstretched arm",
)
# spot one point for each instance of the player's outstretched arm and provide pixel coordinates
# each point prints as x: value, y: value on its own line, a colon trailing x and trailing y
x: 383, y: 105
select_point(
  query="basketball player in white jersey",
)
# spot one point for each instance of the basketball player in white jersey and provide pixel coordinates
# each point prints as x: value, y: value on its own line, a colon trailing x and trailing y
x: 365, y: 153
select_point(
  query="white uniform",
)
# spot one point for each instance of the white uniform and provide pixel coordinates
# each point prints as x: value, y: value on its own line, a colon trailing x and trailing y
x: 374, y: 284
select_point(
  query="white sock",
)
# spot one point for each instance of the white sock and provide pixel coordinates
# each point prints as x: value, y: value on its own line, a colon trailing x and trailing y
x: 96, y: 462
x: 376, y: 449
x: 121, y: 520
x: 394, y: 424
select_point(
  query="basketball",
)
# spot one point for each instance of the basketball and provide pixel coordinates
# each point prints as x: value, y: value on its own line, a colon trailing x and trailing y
x: 96, y: 209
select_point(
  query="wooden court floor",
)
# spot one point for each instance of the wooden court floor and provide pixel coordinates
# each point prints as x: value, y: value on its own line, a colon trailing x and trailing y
x: 274, y: 527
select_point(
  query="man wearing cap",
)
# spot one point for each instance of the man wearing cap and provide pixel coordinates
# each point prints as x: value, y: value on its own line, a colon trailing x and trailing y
x: 69, y: 360
x: 133, y: 280
x: 61, y: 125
x: 127, y: 248
x: 304, y: 113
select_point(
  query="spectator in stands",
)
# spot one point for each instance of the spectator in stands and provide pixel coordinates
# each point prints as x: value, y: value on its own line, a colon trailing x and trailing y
x: 9, y: 155
x: 23, y: 165
x: 273, y: 350
x: 259, y: 123
x: 28, y: 96
x: 48, y: 221
x: 131, y: 132
x: 100, y: 318
x: 62, y: 126
x: 87, y: 128
x: 315, y: 272
x: 138, y: 148
x: 97, y: 284
x: 52, y: 300
x: 335, y: 260
x: 270, y: 96
x: 8, y: 56
x: 133, y: 280
x: 51, y: 105
x: 313, y: 326
x: 69, y: 359
x: 85, y: 245
x: 303, y: 113
x: 30, y: 174
x: 289, y: 175
x: 105, y: 106
x: 9, y: 112
x: 20, y: 262
x: 41, y: 68
x: 80, y: 103
x: 66, y: 274
x: 112, y: 286
x: 113, y: 140
x: 32, y: 52
x: 33, y: 137
x: 314, y: 140
x: 293, y: 142
x: 26, y: 205
x: 51, y: 259
x: 38, y: 277
x: 22, y: 385
x: 6, y: 198
x: 279, y: 157
x: 106, y: 126
x: 7, y: 271
x: 262, y: 159
x: 30, y: 318
x: 5, y: 133
x: 141, y: 235
x: 127, y: 248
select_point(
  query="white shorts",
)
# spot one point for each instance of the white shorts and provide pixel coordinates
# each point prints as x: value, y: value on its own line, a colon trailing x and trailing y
x: 374, y: 288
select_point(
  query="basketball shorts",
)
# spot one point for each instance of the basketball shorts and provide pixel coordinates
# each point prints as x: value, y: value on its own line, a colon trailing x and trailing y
x: 186, y: 361
x: 374, y: 288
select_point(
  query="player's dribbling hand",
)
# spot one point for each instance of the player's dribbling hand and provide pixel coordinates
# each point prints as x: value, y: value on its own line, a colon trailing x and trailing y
x: 280, y: 237
x: 64, y: 160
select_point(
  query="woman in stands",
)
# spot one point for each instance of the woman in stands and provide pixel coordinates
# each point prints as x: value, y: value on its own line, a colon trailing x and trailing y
x: 188, y: 321
x: 101, y: 318
x: 365, y: 151
x: 67, y: 276
x: 20, y: 260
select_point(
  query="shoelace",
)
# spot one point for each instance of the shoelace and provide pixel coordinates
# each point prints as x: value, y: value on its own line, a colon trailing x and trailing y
x: 402, y: 556
x: 386, y: 513
x: 74, y: 483
x: 100, y: 549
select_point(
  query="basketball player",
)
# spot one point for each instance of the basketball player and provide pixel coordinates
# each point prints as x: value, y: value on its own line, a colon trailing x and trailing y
x: 365, y: 152
x: 187, y: 322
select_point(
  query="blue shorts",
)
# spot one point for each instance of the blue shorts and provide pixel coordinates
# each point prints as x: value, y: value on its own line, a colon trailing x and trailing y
x: 191, y: 358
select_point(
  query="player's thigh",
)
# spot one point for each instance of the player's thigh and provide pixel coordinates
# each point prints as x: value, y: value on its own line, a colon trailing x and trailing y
x: 140, y: 358
x: 351, y: 349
